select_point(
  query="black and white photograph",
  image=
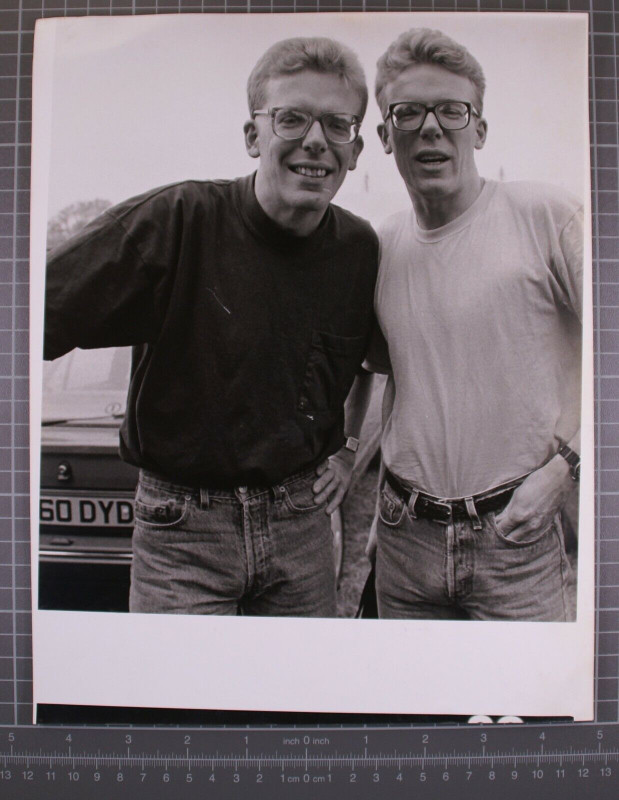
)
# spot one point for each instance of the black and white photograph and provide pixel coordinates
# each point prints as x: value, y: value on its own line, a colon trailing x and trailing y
x: 311, y: 363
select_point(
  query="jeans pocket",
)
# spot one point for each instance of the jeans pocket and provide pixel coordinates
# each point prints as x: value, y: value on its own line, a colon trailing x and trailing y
x: 332, y: 364
x: 391, y: 508
x: 157, y: 508
x: 300, y: 498
x: 532, y: 538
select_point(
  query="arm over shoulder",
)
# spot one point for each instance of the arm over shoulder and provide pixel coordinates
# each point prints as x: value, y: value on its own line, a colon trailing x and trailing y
x: 105, y: 287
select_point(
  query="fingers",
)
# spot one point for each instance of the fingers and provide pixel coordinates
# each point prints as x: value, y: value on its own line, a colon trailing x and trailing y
x: 506, y: 520
x: 324, y: 486
x: 502, y: 522
x: 322, y: 483
x: 332, y: 483
x: 330, y: 487
x: 336, y: 499
x: 517, y: 523
x: 517, y: 529
x: 518, y: 533
x: 506, y: 525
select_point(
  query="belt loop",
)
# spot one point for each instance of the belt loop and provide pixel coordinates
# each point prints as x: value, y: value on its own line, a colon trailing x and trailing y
x: 472, y: 512
x: 411, y: 503
x: 204, y: 498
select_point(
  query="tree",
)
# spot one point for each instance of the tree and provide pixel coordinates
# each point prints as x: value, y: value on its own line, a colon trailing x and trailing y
x: 72, y: 219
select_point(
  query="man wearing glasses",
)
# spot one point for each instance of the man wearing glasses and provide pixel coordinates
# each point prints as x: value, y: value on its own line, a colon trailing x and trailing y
x: 479, y: 299
x: 249, y: 306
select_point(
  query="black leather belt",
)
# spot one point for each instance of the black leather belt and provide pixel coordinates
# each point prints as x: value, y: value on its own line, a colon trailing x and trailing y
x: 448, y: 510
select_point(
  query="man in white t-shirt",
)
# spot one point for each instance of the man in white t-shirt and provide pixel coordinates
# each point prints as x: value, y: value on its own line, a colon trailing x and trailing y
x: 479, y: 300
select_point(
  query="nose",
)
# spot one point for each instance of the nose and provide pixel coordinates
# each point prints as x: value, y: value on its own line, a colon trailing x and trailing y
x: 315, y: 138
x: 430, y: 125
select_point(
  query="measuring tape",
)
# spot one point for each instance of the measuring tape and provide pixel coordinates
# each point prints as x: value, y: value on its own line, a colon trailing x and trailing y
x: 532, y: 761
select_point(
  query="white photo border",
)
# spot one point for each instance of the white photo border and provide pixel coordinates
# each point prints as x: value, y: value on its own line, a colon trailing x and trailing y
x: 306, y: 665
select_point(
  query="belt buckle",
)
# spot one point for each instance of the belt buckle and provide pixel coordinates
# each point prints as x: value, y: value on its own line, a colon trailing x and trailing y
x: 449, y: 511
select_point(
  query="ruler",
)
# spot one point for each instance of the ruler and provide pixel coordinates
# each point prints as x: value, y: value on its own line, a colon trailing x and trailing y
x: 476, y: 761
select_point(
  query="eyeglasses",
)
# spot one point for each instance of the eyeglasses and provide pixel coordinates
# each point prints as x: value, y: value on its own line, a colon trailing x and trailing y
x: 451, y: 115
x: 292, y: 123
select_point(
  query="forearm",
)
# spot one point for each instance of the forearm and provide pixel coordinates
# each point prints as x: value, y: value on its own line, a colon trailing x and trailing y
x: 559, y: 466
x: 335, y: 474
x: 357, y: 403
x: 109, y: 285
x: 574, y: 442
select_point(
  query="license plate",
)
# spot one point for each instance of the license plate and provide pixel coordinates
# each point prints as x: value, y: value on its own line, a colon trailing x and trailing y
x: 110, y: 512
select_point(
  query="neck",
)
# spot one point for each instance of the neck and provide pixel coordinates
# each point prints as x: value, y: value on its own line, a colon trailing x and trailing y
x: 297, y: 221
x: 436, y: 211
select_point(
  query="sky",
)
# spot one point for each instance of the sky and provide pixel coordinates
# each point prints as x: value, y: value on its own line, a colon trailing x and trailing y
x: 139, y: 102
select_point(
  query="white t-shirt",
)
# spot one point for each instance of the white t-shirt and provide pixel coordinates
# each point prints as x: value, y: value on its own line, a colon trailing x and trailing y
x: 482, y: 319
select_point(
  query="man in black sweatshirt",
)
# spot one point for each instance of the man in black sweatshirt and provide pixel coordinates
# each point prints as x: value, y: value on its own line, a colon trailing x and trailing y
x: 248, y: 304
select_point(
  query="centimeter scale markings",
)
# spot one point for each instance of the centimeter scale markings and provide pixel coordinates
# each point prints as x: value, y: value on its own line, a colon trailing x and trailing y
x: 285, y: 758
x: 352, y: 760
x: 276, y: 759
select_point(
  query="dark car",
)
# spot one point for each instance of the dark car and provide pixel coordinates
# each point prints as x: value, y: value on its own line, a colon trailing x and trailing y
x: 86, y: 502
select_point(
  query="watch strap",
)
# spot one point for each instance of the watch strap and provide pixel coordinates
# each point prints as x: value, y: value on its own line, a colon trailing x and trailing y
x: 572, y: 458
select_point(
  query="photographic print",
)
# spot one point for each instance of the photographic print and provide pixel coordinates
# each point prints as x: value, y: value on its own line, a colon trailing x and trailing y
x: 311, y: 362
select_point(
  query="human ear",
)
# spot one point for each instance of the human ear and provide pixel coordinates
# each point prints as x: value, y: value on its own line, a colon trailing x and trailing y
x: 481, y: 131
x: 251, y: 138
x: 383, y: 135
x: 356, y: 152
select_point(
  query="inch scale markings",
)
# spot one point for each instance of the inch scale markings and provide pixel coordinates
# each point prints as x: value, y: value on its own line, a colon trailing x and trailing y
x: 365, y: 760
x: 430, y: 763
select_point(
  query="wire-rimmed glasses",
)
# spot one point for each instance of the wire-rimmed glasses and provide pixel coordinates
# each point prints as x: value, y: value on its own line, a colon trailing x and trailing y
x: 293, y: 123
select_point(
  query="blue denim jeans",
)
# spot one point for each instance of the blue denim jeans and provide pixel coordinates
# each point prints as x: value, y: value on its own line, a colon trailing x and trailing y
x: 428, y: 570
x: 266, y: 552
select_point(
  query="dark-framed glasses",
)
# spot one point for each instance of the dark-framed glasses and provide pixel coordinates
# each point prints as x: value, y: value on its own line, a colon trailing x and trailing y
x: 293, y: 123
x: 451, y: 115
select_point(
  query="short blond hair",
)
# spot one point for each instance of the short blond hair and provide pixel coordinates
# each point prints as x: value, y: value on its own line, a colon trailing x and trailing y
x: 427, y: 46
x: 317, y: 54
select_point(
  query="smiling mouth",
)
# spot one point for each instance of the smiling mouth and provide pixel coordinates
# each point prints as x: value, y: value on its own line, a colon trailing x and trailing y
x: 310, y: 172
x: 432, y: 159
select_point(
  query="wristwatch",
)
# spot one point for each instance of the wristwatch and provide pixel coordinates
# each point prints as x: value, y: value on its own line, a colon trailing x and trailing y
x: 351, y: 444
x: 572, y: 458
